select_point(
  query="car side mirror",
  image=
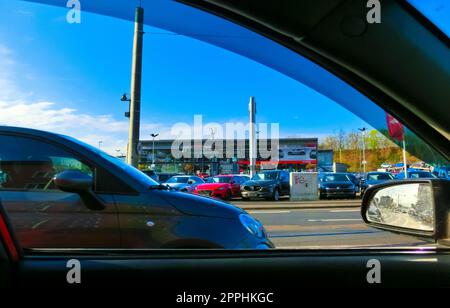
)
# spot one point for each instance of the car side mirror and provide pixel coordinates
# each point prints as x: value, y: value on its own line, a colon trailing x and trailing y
x: 74, y: 181
x: 414, y: 207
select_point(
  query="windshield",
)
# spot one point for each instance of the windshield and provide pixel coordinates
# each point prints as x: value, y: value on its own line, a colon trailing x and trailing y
x: 421, y: 175
x: 437, y: 11
x: 210, y: 99
x: 177, y: 179
x: 264, y: 176
x: 219, y: 179
x: 380, y: 176
x: 336, y: 178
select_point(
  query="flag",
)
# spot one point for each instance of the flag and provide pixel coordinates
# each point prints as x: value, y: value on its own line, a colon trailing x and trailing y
x: 395, y: 128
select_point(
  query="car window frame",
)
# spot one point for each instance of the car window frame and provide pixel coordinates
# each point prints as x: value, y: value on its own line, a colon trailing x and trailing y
x: 82, y: 158
x: 89, y: 164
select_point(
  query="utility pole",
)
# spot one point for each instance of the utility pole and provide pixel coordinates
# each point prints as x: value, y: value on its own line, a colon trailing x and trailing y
x: 364, y: 162
x: 136, y: 76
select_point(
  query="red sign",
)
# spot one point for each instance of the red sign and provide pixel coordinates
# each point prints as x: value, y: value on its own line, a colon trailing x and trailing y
x: 395, y: 127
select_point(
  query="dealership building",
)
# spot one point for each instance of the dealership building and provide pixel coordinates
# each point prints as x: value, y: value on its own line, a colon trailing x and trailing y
x: 230, y: 156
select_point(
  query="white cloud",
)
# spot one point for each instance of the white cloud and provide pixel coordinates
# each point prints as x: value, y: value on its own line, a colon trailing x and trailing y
x: 87, y: 127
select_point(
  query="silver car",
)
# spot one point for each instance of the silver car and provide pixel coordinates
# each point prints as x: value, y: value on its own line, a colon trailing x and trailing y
x: 184, y: 183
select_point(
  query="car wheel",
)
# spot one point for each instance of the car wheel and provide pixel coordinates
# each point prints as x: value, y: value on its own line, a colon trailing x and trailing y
x: 276, y: 195
x: 228, y: 195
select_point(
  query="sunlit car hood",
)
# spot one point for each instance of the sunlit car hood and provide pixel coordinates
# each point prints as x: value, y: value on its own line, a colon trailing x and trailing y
x: 375, y: 182
x: 260, y: 182
x: 201, y: 206
x: 212, y: 185
x: 336, y: 184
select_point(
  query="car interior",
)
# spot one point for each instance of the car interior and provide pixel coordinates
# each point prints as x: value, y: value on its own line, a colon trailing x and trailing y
x: 367, y: 61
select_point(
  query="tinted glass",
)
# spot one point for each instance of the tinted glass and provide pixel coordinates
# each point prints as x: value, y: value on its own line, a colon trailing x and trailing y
x: 34, y: 167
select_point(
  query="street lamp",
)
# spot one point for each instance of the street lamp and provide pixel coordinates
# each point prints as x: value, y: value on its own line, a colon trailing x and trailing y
x: 363, y: 130
x: 125, y: 98
x: 153, y: 150
x: 100, y: 144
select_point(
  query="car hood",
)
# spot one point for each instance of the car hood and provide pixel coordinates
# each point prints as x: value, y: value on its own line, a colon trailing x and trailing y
x: 373, y: 182
x: 336, y: 184
x: 212, y: 186
x: 260, y: 182
x: 202, y: 206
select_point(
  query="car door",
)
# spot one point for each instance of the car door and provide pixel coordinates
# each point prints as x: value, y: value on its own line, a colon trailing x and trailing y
x: 236, y: 186
x: 285, y: 185
x: 44, y: 216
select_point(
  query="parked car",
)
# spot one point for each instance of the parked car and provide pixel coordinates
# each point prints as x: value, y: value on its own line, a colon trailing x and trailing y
x: 203, y: 175
x: 442, y: 172
x: 184, y: 183
x: 336, y: 185
x: 221, y: 186
x: 270, y: 184
x: 62, y: 193
x: 415, y: 175
x: 356, y: 179
x: 374, y: 178
x: 164, y: 176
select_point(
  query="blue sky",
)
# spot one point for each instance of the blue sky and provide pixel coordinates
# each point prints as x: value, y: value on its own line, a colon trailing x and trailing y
x: 69, y: 78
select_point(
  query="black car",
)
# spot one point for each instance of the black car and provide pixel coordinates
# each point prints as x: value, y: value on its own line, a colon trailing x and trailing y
x: 62, y: 193
x: 355, y: 180
x: 337, y: 185
x: 374, y: 178
x: 270, y: 185
x: 152, y: 174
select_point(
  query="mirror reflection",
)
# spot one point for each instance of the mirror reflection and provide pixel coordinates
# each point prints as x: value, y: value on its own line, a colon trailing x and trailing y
x: 405, y: 206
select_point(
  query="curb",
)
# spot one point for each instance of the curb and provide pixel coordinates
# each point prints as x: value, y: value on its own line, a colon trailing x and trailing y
x: 295, y: 207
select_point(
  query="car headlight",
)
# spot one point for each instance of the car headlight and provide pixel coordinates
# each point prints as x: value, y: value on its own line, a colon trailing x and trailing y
x: 252, y: 225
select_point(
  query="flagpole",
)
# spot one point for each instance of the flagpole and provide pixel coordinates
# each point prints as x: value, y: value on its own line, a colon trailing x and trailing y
x: 404, y: 157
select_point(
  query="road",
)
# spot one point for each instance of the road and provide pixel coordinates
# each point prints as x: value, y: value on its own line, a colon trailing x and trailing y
x: 324, y: 227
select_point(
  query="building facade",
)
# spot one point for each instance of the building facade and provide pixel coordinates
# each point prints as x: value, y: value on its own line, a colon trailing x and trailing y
x: 227, y: 156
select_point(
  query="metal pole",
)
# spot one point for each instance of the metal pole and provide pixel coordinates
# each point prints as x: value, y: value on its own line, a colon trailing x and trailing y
x: 135, y: 103
x: 153, y: 152
x: 404, y: 158
x: 252, y: 137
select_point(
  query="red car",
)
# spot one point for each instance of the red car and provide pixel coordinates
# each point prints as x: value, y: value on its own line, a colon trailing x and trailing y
x: 222, y: 186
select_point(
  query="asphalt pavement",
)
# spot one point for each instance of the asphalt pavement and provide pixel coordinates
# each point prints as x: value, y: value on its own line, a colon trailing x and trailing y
x: 323, y: 224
